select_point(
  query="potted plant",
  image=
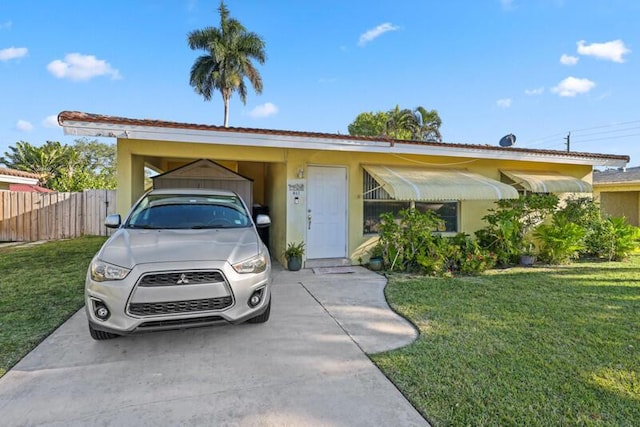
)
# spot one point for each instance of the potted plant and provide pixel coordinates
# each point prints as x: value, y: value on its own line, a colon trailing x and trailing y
x: 293, y: 254
x: 376, y: 262
x: 527, y: 254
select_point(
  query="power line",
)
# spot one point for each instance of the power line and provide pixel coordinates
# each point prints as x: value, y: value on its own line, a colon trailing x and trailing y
x: 609, y: 138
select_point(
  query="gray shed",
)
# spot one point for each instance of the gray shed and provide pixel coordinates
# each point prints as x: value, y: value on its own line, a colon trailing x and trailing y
x: 204, y: 173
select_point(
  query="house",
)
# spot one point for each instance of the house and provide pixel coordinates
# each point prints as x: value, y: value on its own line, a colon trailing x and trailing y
x: 15, y: 180
x: 328, y: 190
x: 618, y: 191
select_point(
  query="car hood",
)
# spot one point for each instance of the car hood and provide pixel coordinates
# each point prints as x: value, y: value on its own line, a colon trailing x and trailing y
x: 130, y: 247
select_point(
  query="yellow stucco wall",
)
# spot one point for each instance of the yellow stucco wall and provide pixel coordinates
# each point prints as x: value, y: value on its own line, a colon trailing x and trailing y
x: 273, y: 169
x: 4, y: 185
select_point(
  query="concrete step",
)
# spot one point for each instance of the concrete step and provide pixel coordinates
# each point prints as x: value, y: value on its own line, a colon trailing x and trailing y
x: 327, y: 262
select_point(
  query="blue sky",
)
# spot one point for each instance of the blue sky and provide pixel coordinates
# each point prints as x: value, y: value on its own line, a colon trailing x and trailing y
x: 534, y: 68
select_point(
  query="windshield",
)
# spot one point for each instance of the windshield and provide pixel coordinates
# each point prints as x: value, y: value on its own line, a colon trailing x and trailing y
x: 169, y: 211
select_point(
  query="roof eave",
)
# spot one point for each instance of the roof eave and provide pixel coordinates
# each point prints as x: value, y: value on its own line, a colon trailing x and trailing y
x: 155, y: 133
x: 12, y: 179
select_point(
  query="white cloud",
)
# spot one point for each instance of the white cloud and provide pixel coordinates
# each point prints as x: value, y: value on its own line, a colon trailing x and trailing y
x: 536, y: 91
x: 610, y: 51
x: 13, y: 53
x: 24, y: 125
x: 572, y: 86
x: 6, y: 25
x: 568, y: 59
x: 264, y: 110
x: 51, y: 121
x: 376, y: 32
x: 504, y: 102
x: 78, y: 67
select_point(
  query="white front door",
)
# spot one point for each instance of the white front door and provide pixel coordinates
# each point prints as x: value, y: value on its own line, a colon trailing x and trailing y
x: 326, y: 212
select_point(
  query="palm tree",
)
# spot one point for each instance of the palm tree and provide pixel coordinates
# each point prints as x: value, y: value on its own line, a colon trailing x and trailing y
x: 427, y: 125
x: 46, y: 161
x: 229, y: 52
x: 400, y: 123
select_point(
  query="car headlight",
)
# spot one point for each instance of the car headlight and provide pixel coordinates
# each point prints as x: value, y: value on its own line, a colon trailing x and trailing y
x: 257, y: 264
x: 102, y: 271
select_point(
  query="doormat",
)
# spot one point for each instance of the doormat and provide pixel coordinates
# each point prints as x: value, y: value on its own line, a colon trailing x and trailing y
x: 333, y: 270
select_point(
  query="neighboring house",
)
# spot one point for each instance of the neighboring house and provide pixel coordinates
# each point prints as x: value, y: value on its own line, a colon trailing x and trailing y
x: 12, y: 177
x: 328, y: 190
x: 618, y: 191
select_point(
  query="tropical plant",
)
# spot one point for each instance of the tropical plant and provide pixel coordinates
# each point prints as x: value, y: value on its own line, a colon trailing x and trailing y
x: 427, y: 125
x: 623, y: 238
x: 418, y: 124
x: 294, y: 250
x: 410, y: 244
x: 561, y: 241
x: 230, y: 50
x: 46, y: 161
x: 510, y: 224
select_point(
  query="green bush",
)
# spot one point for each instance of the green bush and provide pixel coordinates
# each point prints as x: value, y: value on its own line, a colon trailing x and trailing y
x: 467, y: 257
x: 559, y: 242
x: 625, y: 238
x: 409, y: 244
x: 511, y: 222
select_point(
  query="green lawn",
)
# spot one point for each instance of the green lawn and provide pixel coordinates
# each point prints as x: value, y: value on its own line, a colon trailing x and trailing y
x: 538, y: 346
x: 41, y: 286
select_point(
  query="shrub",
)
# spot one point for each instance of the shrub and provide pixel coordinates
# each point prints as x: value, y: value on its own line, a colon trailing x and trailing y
x: 511, y: 221
x: 560, y: 241
x: 410, y: 244
x: 467, y: 257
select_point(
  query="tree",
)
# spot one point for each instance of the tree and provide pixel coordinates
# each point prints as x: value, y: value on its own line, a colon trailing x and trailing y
x: 230, y: 50
x: 46, y: 161
x: 419, y: 124
x: 369, y: 124
x: 428, y: 124
x: 86, y: 164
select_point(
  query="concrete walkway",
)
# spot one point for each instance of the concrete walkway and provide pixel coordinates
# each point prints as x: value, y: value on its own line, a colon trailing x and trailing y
x: 305, y: 366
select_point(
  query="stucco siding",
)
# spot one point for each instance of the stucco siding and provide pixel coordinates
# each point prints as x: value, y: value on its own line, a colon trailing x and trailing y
x: 620, y: 204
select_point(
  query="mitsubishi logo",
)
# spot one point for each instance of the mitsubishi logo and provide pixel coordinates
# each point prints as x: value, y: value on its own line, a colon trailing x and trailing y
x: 182, y: 280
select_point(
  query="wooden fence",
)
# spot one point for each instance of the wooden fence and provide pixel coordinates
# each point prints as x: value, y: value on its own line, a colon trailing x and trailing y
x: 51, y: 216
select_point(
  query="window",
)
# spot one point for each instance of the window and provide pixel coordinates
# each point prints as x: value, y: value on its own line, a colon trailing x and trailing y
x: 377, y: 201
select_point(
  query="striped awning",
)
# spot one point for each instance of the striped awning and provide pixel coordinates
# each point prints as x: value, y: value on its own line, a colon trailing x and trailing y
x: 419, y: 184
x: 547, y: 182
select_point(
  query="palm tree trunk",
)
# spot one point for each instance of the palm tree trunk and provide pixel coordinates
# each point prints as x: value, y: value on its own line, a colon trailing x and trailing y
x: 226, y: 112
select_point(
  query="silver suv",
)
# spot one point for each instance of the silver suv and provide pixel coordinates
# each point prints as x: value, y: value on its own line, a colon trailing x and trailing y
x: 182, y: 258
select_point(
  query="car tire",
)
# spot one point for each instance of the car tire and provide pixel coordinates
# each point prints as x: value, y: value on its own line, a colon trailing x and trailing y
x: 261, y: 318
x: 101, y: 335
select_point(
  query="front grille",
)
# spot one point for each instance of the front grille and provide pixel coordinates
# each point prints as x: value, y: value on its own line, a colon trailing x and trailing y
x: 180, y: 322
x: 181, y: 278
x: 174, y: 307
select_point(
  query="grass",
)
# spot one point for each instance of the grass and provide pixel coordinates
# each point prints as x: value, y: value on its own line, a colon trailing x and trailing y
x: 41, y: 286
x: 537, y: 346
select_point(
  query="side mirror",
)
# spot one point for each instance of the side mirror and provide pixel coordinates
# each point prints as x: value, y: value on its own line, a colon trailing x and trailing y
x: 263, y: 221
x: 113, y: 221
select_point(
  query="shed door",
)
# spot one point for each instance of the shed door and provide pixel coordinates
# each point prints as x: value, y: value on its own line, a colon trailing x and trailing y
x: 326, y: 212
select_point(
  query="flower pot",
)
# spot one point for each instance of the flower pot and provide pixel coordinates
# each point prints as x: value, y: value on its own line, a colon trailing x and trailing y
x: 527, y: 260
x: 375, y: 264
x: 294, y: 263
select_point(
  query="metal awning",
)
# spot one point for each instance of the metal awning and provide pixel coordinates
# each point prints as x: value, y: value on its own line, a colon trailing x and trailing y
x: 547, y: 182
x: 418, y: 184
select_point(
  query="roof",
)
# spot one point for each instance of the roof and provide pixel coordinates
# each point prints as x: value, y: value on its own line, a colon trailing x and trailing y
x: 613, y: 176
x: 29, y: 188
x: 88, y: 124
x: 13, y: 176
x: 21, y: 174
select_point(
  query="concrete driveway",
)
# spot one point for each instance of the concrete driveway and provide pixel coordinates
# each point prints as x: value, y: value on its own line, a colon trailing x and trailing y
x: 305, y: 367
